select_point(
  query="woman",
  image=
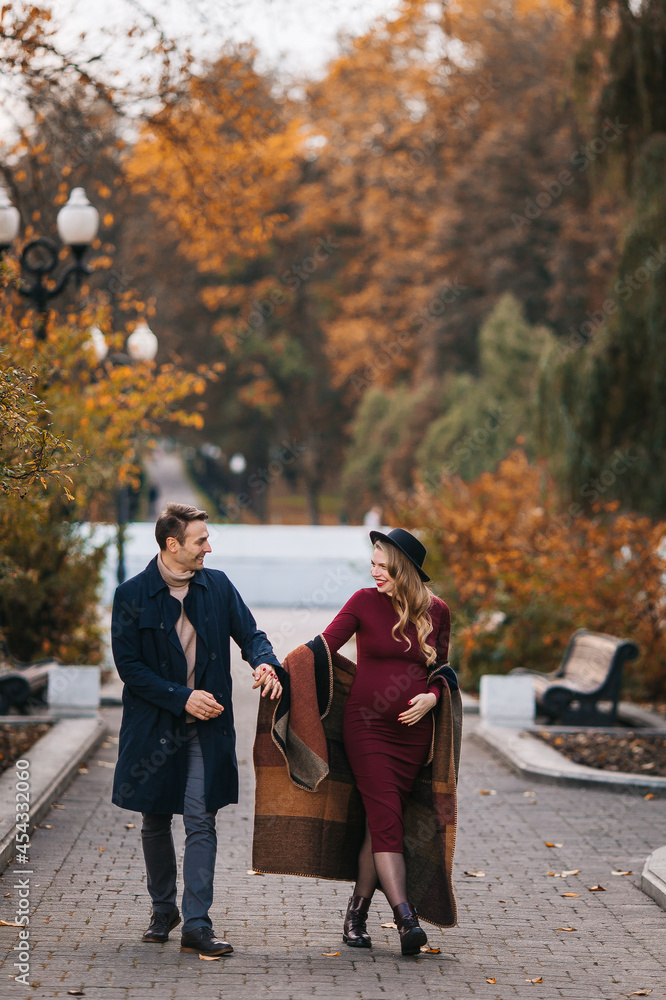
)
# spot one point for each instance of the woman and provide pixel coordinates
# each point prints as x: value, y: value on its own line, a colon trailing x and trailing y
x: 402, y: 631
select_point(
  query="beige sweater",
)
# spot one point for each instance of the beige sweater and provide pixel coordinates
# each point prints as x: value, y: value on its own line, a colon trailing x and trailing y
x: 179, y: 584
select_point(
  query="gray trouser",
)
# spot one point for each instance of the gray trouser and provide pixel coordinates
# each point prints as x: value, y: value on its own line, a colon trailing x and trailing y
x: 200, y: 848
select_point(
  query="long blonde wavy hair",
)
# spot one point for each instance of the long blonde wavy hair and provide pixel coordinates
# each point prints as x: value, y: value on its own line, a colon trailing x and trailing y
x: 411, y: 599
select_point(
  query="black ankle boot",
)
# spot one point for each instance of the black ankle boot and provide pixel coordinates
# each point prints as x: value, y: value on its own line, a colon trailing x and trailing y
x: 353, y: 932
x: 412, y: 935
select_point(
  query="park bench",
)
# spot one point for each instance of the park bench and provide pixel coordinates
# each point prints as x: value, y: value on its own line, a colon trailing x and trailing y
x: 589, y: 675
x: 18, y: 684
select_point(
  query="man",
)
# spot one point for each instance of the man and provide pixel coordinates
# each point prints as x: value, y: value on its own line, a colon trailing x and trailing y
x: 170, y: 632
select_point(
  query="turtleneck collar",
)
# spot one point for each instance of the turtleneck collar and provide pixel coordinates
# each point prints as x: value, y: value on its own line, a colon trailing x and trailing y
x: 173, y: 579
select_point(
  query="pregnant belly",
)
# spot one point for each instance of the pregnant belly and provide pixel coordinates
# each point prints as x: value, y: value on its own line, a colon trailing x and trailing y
x: 384, y: 693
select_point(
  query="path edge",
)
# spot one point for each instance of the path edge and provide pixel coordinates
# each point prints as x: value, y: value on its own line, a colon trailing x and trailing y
x: 653, y: 879
x: 54, y: 762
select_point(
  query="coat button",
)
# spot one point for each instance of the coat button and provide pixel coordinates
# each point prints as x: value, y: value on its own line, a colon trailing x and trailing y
x: 170, y: 689
x: 213, y: 656
x: 163, y: 663
x: 161, y: 624
x: 162, y: 741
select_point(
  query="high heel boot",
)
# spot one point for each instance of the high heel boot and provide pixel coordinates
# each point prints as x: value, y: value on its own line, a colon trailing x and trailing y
x: 353, y: 932
x: 412, y: 935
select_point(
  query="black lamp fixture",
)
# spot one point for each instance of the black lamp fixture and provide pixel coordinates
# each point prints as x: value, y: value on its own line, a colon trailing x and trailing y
x: 78, y: 222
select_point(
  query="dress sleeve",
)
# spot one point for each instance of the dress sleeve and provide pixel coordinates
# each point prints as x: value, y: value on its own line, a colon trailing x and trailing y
x: 344, y: 625
x: 442, y: 649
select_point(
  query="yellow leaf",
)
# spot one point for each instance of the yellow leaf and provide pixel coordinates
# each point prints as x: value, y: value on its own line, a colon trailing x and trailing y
x: 391, y: 924
x: 548, y: 844
x: 8, y: 923
x: 475, y: 874
x: 487, y: 791
x: 427, y: 950
x: 210, y: 958
x: 251, y: 871
x: 650, y: 795
x: 573, y: 894
x: 330, y: 954
x: 639, y: 993
x: 565, y: 928
x: 621, y: 873
x: 129, y: 826
x: 538, y: 980
x: 491, y: 980
x: 595, y: 888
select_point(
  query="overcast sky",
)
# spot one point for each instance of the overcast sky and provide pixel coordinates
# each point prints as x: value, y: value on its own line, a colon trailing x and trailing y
x: 298, y: 37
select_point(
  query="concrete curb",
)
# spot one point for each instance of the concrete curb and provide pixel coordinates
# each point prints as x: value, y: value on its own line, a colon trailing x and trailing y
x: 54, y: 762
x: 653, y: 879
x: 539, y: 761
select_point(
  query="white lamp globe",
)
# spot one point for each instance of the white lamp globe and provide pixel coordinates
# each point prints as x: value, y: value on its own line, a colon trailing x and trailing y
x: 10, y: 220
x: 238, y: 464
x: 98, y: 343
x: 142, y: 344
x: 78, y: 220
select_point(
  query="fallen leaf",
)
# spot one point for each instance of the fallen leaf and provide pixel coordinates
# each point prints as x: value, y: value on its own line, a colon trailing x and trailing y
x: 46, y: 826
x: 427, y: 950
x: 75, y: 993
x: 650, y: 795
x: 565, y: 928
x: 105, y: 763
x: 8, y: 895
x: 475, y: 874
x: 129, y: 826
x: 538, y: 980
x: 8, y: 923
x: 595, y: 888
x: 210, y: 958
x: 529, y: 795
x: 548, y: 844
x: 251, y: 871
x: 574, y: 871
x: 83, y: 769
x: 391, y: 924
x: 487, y: 791
x: 491, y: 980
x: 621, y: 873
x: 101, y: 848
x: 330, y: 954
x: 639, y: 993
x: 575, y: 895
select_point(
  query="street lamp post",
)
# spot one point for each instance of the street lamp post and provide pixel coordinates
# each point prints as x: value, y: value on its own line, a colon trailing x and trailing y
x: 142, y: 345
x: 78, y: 222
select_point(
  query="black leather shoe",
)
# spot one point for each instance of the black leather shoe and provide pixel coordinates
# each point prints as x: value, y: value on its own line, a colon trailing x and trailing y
x: 202, y: 941
x: 412, y: 935
x: 353, y: 932
x: 160, y: 925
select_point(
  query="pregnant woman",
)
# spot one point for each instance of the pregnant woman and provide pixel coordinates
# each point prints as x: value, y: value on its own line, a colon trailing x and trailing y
x: 402, y: 631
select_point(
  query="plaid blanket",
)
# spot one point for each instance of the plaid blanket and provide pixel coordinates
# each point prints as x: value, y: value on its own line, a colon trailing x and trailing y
x: 309, y: 818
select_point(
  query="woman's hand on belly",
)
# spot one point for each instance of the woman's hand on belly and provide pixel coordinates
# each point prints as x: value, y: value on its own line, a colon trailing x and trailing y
x: 420, y: 705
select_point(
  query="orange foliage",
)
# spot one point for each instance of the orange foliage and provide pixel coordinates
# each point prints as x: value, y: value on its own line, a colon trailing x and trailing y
x: 503, y: 544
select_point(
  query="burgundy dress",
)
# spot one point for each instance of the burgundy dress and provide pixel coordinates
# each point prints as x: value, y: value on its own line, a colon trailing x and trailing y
x: 386, y: 755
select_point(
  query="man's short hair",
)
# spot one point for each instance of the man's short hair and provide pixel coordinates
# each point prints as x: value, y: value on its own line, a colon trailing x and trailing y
x: 173, y: 522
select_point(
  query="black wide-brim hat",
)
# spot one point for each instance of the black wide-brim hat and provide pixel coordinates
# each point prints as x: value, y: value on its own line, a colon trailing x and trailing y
x: 408, y: 544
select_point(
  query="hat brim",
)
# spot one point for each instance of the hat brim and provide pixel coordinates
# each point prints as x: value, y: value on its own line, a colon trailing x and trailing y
x: 379, y: 535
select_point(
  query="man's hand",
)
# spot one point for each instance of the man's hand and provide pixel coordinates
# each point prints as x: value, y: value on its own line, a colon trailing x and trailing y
x: 420, y: 704
x: 202, y: 705
x: 265, y: 676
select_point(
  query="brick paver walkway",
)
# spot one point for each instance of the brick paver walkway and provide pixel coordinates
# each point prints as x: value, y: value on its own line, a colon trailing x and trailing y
x: 89, y: 904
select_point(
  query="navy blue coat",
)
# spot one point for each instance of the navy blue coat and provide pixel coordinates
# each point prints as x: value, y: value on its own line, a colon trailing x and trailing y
x: 152, y: 764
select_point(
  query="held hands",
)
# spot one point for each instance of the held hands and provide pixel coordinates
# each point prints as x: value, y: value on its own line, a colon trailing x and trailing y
x: 420, y: 704
x: 265, y: 676
x: 202, y: 705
